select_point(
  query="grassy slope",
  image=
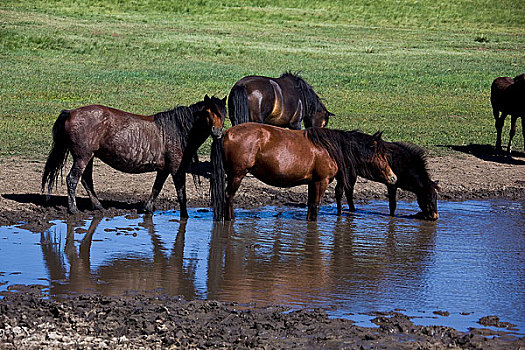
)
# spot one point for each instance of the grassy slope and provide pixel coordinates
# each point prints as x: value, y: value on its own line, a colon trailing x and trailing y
x: 419, y: 70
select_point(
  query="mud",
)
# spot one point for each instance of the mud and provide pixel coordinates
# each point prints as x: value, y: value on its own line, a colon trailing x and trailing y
x: 136, y: 321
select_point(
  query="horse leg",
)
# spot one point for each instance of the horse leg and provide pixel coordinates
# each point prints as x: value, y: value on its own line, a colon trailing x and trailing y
x: 233, y: 183
x: 392, y: 202
x: 500, y: 122
x: 180, y: 185
x: 512, y: 132
x: 79, y: 164
x: 87, y: 182
x: 162, y: 175
x: 349, y: 193
x: 339, y: 196
x: 316, y: 191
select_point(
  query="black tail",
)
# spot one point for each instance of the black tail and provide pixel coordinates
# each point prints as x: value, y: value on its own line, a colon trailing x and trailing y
x: 238, y: 105
x: 58, y: 155
x: 218, y: 180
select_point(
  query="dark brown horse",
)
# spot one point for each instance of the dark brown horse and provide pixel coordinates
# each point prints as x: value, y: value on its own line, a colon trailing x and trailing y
x: 409, y: 163
x: 507, y: 96
x: 165, y: 142
x: 286, y: 158
x: 283, y: 101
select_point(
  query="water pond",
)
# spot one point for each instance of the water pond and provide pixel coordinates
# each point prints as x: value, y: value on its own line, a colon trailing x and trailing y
x: 468, y: 264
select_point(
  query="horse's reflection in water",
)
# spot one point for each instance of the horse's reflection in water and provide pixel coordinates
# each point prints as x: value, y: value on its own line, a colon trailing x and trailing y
x: 159, y: 272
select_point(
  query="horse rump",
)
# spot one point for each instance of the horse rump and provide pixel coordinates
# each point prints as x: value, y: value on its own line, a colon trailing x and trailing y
x: 238, y: 108
x: 58, y: 154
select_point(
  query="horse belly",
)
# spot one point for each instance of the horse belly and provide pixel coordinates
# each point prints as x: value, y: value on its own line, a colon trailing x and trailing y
x: 284, y: 169
x: 133, y: 153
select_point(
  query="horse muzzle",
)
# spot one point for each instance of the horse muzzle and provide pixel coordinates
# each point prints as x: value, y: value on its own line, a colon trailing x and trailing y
x: 392, y: 179
x: 216, y: 132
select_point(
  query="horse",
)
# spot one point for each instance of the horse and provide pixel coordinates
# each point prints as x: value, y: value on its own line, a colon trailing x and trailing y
x: 283, y: 101
x: 409, y: 163
x: 165, y: 142
x: 507, y: 96
x: 286, y: 158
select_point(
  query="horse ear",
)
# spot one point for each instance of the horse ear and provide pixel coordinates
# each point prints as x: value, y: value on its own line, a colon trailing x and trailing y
x: 224, y: 99
x: 206, y: 98
x: 377, y: 136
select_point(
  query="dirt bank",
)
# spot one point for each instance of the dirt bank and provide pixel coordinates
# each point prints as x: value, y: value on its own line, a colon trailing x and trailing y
x: 134, y: 322
x: 461, y: 177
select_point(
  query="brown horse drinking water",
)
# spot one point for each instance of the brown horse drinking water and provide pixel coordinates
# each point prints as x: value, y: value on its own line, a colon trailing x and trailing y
x: 286, y: 158
x: 165, y: 142
x: 409, y: 163
x: 283, y: 101
x: 507, y: 96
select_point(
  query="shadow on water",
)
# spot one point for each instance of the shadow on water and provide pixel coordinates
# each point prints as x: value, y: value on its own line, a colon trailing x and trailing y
x: 488, y: 153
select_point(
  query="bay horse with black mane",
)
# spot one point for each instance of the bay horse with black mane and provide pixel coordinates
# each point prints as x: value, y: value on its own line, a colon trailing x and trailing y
x: 165, y: 142
x: 507, y: 96
x: 283, y: 101
x: 286, y: 158
x: 409, y: 163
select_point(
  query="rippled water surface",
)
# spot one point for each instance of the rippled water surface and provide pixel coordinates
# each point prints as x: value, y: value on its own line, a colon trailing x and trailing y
x: 471, y: 262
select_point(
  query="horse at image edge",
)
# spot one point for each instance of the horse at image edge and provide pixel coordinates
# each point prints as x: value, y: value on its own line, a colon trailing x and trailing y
x: 507, y: 96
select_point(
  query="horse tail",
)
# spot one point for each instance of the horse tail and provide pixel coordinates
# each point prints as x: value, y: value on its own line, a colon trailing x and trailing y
x: 238, y: 105
x: 218, y: 180
x: 58, y: 155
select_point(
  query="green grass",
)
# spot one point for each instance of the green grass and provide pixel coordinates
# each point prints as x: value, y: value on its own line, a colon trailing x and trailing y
x: 419, y: 70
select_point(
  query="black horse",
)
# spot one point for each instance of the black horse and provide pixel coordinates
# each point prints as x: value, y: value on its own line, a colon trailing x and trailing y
x: 507, y: 96
x: 283, y: 101
x: 165, y: 142
x: 409, y: 163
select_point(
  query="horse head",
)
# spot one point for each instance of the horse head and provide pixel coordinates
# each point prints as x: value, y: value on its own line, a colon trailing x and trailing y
x: 319, y: 118
x: 215, y: 110
x: 381, y: 169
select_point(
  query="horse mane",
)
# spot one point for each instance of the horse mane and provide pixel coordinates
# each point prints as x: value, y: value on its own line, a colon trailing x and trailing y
x: 344, y: 148
x: 311, y: 100
x: 177, y: 123
x: 417, y: 155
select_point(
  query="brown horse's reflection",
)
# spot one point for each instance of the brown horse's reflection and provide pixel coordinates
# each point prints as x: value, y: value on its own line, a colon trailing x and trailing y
x: 160, y: 273
x: 308, y: 266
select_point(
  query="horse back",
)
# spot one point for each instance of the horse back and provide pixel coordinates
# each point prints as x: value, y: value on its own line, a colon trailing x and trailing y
x: 128, y: 142
x: 507, y: 96
x: 409, y: 164
x: 273, y: 101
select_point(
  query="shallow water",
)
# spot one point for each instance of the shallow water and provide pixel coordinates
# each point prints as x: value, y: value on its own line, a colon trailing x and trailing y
x: 470, y: 263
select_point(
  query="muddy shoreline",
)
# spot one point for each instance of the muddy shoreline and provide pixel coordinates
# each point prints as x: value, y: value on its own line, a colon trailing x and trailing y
x: 27, y: 321
x: 138, y: 321
x: 461, y: 177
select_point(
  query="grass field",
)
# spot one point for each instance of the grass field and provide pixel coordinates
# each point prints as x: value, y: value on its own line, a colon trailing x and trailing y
x: 418, y: 69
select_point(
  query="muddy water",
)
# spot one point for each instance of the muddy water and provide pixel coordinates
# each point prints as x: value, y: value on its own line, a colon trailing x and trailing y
x: 469, y: 264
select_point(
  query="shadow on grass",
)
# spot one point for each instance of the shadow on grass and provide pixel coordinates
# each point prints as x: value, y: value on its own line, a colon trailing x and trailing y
x: 488, y: 153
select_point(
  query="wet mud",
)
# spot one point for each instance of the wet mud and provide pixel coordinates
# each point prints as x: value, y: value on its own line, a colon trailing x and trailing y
x: 137, y: 321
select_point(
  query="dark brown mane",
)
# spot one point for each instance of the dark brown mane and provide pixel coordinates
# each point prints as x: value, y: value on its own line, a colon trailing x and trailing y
x: 177, y: 123
x: 344, y: 147
x: 417, y: 155
x: 311, y: 100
